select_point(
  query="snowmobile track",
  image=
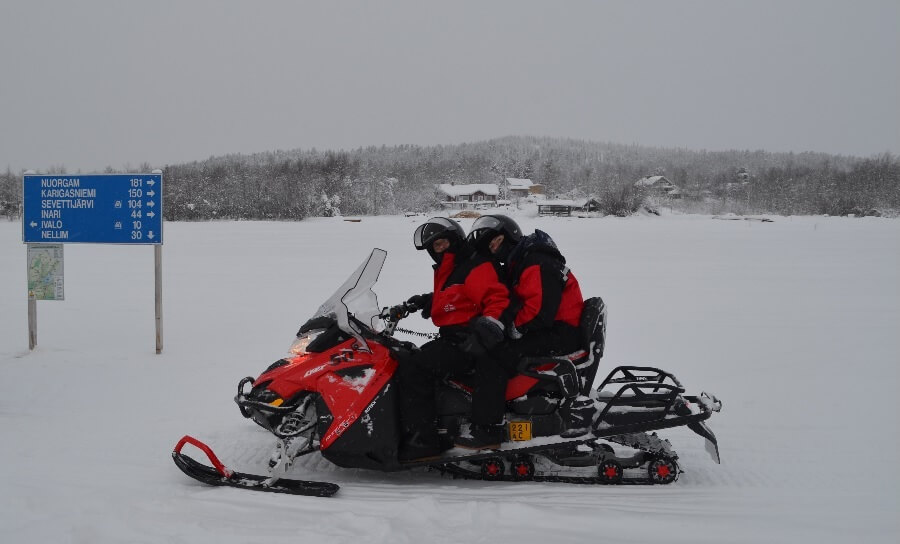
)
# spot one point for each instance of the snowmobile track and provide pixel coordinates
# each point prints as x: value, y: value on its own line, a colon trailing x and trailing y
x: 659, y: 465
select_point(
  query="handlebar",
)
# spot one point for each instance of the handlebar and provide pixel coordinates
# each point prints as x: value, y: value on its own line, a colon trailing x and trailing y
x: 394, y: 314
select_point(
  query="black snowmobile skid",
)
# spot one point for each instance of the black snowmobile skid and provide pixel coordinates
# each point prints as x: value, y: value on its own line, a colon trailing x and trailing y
x: 219, y: 474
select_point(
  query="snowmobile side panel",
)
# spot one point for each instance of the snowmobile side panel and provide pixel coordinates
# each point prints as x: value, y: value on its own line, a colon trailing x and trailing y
x: 368, y: 441
x: 348, y: 397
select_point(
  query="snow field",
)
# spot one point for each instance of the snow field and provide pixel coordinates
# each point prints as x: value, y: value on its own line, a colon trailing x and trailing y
x: 793, y: 324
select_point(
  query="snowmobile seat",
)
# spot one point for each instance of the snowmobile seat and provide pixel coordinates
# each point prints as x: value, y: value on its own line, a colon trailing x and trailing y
x: 542, y: 382
x: 593, y: 338
x: 547, y: 374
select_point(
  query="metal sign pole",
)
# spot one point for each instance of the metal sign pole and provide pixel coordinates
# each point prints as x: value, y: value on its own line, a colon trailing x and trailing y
x: 157, y: 265
x: 32, y: 322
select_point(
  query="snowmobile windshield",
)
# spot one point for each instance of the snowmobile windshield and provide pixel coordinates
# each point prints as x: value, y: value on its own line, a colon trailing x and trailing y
x: 355, y: 297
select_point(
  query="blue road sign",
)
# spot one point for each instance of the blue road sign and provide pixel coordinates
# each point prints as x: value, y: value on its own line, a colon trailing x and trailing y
x: 100, y: 209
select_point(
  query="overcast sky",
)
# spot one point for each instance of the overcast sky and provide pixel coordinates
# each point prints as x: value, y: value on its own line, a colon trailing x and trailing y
x: 90, y: 84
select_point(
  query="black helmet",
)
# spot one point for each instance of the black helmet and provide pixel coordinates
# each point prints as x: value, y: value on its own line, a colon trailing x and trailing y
x: 488, y: 227
x: 435, y: 229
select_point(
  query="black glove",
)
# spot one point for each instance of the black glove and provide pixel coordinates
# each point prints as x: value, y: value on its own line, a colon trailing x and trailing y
x: 489, y: 330
x: 398, y: 312
x: 421, y: 302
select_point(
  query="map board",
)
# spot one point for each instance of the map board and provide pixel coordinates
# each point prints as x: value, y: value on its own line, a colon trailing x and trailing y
x: 45, y: 272
x: 102, y: 208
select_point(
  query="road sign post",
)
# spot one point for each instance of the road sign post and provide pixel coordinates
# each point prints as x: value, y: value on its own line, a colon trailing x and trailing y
x: 95, y: 209
x: 32, y: 322
x: 157, y: 272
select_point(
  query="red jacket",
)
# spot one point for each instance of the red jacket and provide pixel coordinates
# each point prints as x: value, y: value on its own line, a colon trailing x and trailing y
x: 465, y: 290
x: 547, y: 297
x: 545, y: 289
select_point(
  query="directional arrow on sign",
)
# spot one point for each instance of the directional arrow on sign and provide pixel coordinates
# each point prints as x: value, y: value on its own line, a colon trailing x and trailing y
x: 151, y: 204
x: 32, y: 224
x: 150, y: 235
x: 151, y: 214
x: 151, y: 182
x: 151, y: 193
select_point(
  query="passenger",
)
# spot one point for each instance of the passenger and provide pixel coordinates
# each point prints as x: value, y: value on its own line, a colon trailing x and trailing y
x: 466, y: 305
x: 546, y: 298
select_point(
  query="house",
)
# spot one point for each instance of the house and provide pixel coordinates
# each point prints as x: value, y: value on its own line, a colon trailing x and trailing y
x: 520, y: 187
x: 590, y: 204
x: 561, y: 208
x: 741, y: 183
x: 474, y: 195
x: 658, y: 186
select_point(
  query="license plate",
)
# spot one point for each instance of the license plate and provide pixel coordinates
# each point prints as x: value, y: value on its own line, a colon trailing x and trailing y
x: 519, y: 431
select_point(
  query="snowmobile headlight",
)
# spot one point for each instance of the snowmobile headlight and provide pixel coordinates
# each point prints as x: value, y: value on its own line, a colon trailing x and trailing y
x: 304, y: 340
x: 268, y: 397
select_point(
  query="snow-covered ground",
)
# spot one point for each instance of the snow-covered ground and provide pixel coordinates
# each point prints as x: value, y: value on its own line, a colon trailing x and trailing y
x: 794, y: 324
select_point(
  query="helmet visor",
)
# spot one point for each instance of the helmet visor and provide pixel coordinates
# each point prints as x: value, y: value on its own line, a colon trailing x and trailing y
x: 434, y: 228
x: 481, y: 236
x: 484, y: 229
x: 486, y: 222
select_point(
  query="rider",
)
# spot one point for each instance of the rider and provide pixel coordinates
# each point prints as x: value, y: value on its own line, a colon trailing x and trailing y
x: 466, y: 305
x: 547, y: 300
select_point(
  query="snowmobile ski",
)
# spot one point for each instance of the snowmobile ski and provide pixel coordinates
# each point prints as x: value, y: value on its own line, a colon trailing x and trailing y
x: 219, y: 474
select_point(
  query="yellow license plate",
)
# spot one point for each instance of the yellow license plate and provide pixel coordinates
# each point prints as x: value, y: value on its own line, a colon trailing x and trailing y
x: 519, y: 431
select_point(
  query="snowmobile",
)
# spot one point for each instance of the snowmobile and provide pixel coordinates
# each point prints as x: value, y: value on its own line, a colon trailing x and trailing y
x: 335, y: 394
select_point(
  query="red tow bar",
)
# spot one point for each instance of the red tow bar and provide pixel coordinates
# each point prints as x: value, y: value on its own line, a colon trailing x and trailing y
x: 187, y: 439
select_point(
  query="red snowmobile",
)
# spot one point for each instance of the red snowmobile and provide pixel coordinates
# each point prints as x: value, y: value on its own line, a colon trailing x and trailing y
x: 334, y: 394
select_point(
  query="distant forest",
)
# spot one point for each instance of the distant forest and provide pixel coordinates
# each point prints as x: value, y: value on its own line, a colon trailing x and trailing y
x: 296, y: 184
